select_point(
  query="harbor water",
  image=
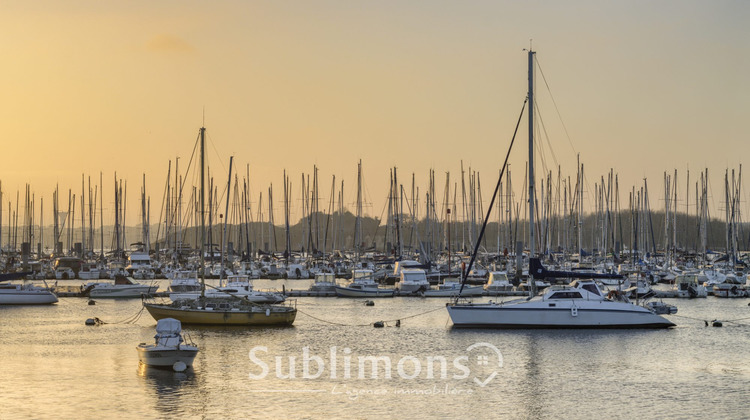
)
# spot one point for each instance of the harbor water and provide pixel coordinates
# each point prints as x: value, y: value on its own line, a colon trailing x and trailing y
x: 333, y: 364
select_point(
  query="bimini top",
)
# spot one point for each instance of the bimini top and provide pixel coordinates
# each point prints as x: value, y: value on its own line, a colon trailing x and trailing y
x: 168, y: 326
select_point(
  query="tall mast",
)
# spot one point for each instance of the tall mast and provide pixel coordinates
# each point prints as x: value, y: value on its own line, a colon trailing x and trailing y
x: 532, y: 250
x: 202, y: 211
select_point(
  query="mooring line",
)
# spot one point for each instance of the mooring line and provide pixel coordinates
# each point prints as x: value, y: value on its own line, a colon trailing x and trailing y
x: 371, y: 323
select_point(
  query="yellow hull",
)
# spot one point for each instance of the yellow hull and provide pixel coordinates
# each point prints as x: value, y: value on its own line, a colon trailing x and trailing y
x: 214, y: 317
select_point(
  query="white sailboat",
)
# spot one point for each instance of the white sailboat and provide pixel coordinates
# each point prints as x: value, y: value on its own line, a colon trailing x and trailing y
x: 578, y: 305
x: 23, y: 294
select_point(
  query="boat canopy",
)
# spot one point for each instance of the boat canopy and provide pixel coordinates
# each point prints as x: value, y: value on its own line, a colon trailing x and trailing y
x: 168, y: 326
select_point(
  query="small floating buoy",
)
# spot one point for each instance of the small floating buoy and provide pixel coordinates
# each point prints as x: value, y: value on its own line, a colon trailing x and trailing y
x: 369, y: 303
x: 93, y: 321
x: 179, y: 366
x: 92, y: 302
x: 379, y: 324
x: 398, y: 322
x: 716, y: 323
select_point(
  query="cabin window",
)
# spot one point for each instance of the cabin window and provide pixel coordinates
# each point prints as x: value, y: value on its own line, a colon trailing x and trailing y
x: 591, y: 288
x: 565, y: 295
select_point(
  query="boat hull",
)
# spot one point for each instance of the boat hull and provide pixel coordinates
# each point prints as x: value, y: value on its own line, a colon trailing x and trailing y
x: 166, y: 358
x: 219, y: 317
x: 128, y: 292
x: 27, y: 297
x: 357, y: 293
x: 472, y: 291
x: 561, y: 316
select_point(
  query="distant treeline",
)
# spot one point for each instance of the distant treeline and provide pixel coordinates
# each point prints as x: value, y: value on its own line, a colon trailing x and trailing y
x: 337, y: 231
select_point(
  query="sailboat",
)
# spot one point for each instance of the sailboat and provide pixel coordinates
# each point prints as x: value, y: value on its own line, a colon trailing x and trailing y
x: 230, y: 309
x: 581, y: 304
x: 23, y: 294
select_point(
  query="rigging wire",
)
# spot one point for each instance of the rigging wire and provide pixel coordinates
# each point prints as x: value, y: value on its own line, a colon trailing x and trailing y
x: 467, y: 270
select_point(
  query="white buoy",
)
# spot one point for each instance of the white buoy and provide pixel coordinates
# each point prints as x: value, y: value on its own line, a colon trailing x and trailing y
x: 179, y: 366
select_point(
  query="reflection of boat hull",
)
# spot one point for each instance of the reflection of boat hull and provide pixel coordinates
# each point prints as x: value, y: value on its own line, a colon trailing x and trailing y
x: 365, y: 292
x: 258, y: 315
x: 166, y: 358
x: 565, y: 314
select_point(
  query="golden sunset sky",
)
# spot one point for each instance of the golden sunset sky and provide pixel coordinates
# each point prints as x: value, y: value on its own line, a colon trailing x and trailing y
x: 641, y: 87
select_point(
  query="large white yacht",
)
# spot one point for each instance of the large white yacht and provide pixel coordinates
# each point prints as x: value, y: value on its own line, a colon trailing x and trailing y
x: 578, y: 305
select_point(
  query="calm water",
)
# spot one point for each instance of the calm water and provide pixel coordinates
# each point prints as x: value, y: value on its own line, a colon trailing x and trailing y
x: 56, y: 367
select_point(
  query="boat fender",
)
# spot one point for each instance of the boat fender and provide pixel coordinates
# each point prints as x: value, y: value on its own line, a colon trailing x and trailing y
x: 379, y: 324
x: 179, y: 366
x: 268, y: 311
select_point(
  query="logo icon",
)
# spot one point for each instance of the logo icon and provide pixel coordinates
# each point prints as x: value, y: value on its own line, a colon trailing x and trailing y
x: 487, y: 357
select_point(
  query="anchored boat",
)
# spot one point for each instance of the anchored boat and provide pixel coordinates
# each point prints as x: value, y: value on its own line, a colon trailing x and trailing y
x: 169, y: 349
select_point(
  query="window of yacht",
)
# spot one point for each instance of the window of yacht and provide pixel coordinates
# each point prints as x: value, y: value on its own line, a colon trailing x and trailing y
x: 591, y: 288
x: 565, y: 295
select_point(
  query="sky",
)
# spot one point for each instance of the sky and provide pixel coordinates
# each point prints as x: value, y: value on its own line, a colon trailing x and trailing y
x: 636, y: 87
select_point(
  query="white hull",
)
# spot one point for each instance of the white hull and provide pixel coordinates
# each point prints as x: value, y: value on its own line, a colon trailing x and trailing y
x: 348, y: 292
x: 118, y: 291
x: 164, y: 357
x: 467, y: 292
x: 27, y: 297
x: 565, y: 314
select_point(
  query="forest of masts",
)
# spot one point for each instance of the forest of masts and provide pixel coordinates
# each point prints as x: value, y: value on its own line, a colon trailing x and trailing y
x: 572, y: 213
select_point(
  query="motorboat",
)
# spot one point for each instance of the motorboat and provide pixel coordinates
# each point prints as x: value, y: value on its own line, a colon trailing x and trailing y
x: 363, y: 285
x: 498, y: 283
x: 170, y: 350
x: 413, y: 280
x: 185, y: 281
x: 324, y: 282
x: 453, y: 289
x: 123, y: 287
x: 689, y: 285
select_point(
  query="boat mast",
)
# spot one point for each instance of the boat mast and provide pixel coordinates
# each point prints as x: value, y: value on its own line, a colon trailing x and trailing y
x: 532, y: 250
x: 203, y: 215
x: 226, y: 218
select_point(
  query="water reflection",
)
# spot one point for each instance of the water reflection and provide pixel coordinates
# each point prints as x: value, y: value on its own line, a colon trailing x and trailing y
x: 168, y: 386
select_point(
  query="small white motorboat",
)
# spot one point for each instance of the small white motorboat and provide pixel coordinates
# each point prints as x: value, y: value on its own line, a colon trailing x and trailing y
x: 123, y: 287
x: 452, y: 289
x: 170, y: 349
x: 363, y: 285
x: 324, y: 282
